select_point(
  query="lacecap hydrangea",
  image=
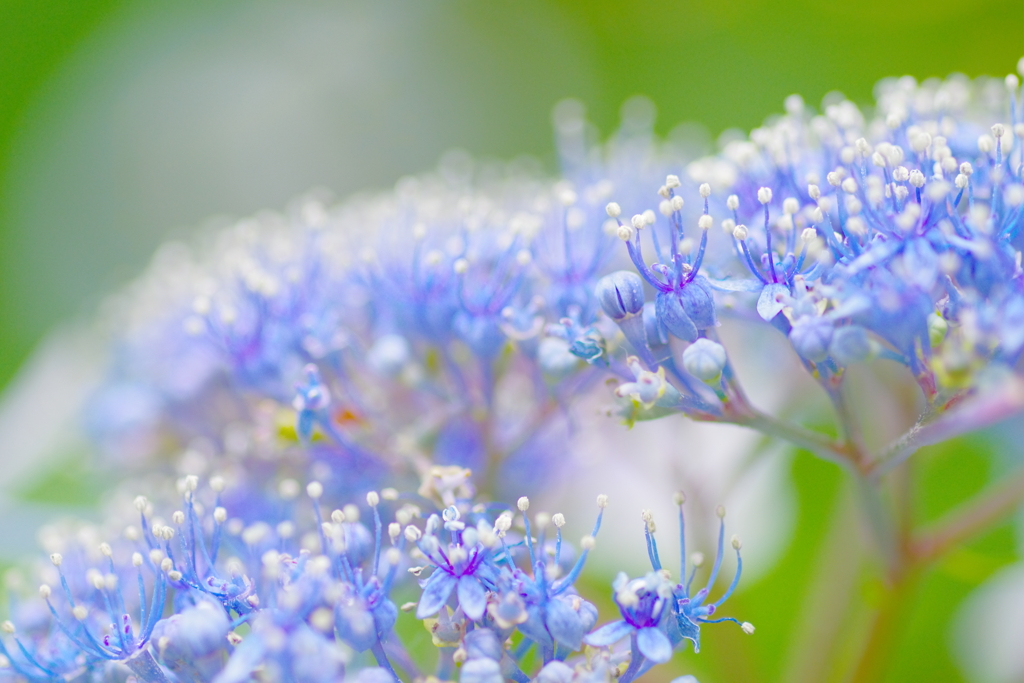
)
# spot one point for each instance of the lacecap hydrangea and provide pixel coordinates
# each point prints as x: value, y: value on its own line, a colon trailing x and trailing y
x: 419, y: 351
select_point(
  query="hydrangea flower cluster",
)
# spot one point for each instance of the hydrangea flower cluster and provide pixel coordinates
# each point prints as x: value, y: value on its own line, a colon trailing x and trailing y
x: 297, y: 598
x: 421, y: 350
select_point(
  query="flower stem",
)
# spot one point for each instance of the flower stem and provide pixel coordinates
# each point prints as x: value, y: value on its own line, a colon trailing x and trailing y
x: 883, y: 632
x: 969, y: 519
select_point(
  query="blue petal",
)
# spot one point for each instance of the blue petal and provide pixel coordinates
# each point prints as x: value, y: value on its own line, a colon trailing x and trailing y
x: 555, y: 672
x: 736, y: 285
x: 384, y: 616
x: 921, y: 263
x: 689, y: 630
x: 608, y: 634
x: 472, y: 597
x: 533, y: 628
x: 481, y: 671
x: 671, y: 314
x: 654, y: 644
x: 436, y: 593
x: 564, y: 624
x: 767, y: 305
x: 304, y: 426
x: 698, y: 303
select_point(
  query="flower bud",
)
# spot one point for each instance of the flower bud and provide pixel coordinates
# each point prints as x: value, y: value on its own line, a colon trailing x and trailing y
x: 705, y: 360
x: 620, y: 294
x: 811, y: 337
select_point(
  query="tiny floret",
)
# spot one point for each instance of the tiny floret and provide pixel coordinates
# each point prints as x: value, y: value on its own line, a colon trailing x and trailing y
x: 613, y: 210
x: 558, y: 519
x: 764, y: 195
x: 720, y: 511
x: 602, y: 501
x: 740, y: 232
x: 57, y: 559
x: 523, y: 504
x: 733, y: 202
x: 314, y: 490
x: 747, y: 627
x: 705, y: 190
x: 372, y: 499
x: 704, y: 222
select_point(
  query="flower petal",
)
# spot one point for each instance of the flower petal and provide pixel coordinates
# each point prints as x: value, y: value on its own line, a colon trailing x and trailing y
x: 768, y: 306
x: 608, y: 634
x: 435, y: 594
x: 654, y: 644
x: 564, y: 624
x: 472, y: 597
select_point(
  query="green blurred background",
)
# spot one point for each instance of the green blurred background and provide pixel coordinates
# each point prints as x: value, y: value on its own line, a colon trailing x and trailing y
x: 123, y: 123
